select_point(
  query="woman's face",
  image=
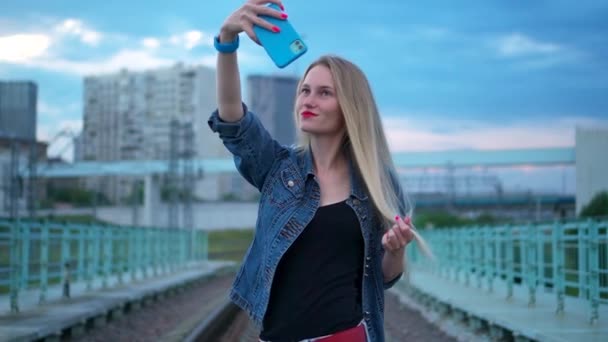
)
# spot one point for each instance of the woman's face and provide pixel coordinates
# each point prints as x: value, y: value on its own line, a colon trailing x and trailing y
x: 317, y: 104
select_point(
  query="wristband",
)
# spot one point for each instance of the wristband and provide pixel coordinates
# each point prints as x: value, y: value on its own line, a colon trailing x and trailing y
x: 229, y: 47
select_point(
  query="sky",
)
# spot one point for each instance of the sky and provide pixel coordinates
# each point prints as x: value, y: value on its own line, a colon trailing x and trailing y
x: 463, y: 74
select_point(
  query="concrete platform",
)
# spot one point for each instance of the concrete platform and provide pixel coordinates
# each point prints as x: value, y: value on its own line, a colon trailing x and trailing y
x: 539, y: 322
x: 51, y: 319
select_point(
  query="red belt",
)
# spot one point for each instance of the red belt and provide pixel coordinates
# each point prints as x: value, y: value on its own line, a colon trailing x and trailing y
x: 356, y: 334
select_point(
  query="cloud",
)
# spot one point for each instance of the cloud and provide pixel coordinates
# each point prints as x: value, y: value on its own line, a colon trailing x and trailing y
x: 49, y: 48
x: 187, y: 40
x: 406, y: 134
x: 27, y: 47
x: 47, y: 51
x: 529, y: 53
x: 75, y: 27
x: 23, y: 47
x: 134, y: 60
x: 191, y: 39
x: 516, y: 45
x: 151, y: 43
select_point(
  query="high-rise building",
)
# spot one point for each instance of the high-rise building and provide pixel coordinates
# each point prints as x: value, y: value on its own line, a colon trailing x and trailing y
x: 127, y: 116
x: 18, y: 109
x: 272, y: 99
x: 78, y: 143
x: 591, y: 169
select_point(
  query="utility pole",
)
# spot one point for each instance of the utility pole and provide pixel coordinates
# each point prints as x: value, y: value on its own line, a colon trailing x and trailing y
x: 32, y: 188
x: 173, y: 173
x: 188, y: 174
x: 14, y: 181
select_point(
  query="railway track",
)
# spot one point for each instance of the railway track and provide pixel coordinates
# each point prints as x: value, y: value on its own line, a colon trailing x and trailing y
x: 202, y: 312
x: 230, y: 324
x: 170, y: 317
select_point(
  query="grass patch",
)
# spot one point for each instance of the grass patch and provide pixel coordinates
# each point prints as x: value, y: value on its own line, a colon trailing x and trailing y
x: 229, y: 244
x: 83, y: 219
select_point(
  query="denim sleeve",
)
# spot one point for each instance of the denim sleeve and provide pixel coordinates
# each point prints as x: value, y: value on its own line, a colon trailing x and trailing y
x: 252, y: 147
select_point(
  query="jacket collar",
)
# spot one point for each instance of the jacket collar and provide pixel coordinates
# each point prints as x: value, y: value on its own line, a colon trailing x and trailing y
x: 357, y: 187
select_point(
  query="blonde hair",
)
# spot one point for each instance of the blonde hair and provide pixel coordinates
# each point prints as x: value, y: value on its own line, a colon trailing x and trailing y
x: 366, y: 140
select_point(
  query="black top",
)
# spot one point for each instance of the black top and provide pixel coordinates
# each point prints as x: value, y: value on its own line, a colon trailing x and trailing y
x: 316, y: 289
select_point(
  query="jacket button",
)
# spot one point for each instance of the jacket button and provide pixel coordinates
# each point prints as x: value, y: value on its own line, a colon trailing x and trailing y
x: 368, y: 258
x: 366, y: 274
x: 366, y: 265
x: 290, y: 183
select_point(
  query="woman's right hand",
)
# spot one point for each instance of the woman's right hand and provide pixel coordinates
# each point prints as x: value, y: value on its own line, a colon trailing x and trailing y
x: 246, y: 16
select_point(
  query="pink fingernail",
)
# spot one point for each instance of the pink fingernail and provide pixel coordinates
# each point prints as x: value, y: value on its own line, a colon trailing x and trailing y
x: 407, y: 220
x: 284, y: 16
x: 275, y: 29
x: 397, y: 218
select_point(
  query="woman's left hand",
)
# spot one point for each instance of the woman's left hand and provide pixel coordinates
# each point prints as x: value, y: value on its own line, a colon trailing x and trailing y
x: 396, y: 238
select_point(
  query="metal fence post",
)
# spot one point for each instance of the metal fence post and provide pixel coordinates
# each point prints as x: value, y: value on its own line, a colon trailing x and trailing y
x: 582, y: 261
x: 44, y: 260
x: 107, y: 262
x: 80, y: 236
x: 530, y: 263
x: 122, y: 249
x: 25, y: 254
x: 15, y: 259
x: 594, y: 270
x: 510, y: 260
x: 66, y: 263
x: 156, y: 251
x: 558, y: 266
x: 91, y: 252
x: 132, y: 249
x: 478, y: 244
x: 470, y: 256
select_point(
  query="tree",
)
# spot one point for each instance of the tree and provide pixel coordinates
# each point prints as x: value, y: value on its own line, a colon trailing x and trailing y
x: 597, y: 207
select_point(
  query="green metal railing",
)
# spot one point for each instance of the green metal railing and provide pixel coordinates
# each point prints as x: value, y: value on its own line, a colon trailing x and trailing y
x: 36, y: 254
x: 564, y: 259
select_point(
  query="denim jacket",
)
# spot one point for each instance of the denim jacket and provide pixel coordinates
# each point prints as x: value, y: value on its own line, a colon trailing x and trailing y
x: 290, y: 196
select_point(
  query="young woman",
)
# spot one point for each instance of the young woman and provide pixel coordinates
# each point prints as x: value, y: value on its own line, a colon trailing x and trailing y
x: 332, y: 223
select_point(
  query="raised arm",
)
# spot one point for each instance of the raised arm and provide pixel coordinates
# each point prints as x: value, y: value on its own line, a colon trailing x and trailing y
x: 228, y: 78
x: 254, y: 150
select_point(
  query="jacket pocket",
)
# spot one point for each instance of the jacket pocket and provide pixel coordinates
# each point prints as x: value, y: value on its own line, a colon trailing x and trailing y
x: 286, y: 185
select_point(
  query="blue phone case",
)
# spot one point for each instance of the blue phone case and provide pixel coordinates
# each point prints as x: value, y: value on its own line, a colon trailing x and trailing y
x: 283, y: 47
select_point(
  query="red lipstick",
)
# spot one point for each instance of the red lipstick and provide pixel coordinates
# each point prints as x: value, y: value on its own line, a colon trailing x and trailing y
x: 308, y: 114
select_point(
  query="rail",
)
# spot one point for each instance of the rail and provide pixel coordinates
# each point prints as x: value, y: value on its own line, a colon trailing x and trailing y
x: 35, y: 254
x: 563, y: 259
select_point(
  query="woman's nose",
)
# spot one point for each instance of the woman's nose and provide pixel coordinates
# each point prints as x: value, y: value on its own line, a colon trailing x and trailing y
x: 309, y: 102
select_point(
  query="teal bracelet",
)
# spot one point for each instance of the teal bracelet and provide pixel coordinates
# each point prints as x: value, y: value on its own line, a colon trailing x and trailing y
x: 229, y: 47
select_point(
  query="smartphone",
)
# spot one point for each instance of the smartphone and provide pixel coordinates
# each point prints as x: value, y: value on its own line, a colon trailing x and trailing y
x: 283, y: 47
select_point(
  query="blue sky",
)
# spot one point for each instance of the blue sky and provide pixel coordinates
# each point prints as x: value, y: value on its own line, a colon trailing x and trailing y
x: 446, y: 74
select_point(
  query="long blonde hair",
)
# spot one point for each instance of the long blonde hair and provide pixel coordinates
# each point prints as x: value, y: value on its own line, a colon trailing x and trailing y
x: 366, y: 140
